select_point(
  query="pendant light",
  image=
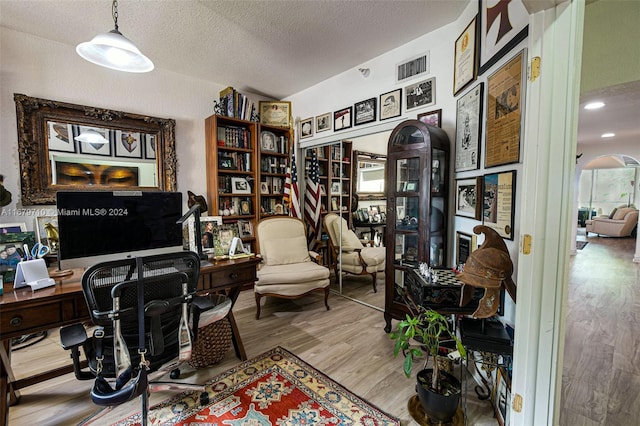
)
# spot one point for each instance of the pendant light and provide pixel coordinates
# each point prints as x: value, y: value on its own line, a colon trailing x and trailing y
x: 115, y: 51
x: 91, y: 136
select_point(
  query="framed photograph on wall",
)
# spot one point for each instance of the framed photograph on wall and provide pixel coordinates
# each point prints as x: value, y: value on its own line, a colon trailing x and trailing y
x: 465, y: 245
x: 469, y: 129
x: 468, y: 201
x: 465, y: 62
x: 323, y: 122
x: 501, y: 397
x: 432, y: 118
x: 502, y: 26
x: 342, y: 118
x: 365, y: 112
x: 306, y: 128
x: 498, y: 202
x: 420, y: 94
x: 275, y: 113
x: 391, y: 104
x: 505, y: 112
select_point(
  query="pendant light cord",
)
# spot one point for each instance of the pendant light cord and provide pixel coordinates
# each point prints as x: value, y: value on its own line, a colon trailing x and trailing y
x: 114, y: 12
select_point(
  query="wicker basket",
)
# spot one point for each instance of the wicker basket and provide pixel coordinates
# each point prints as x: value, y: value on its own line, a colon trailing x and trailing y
x: 212, y: 344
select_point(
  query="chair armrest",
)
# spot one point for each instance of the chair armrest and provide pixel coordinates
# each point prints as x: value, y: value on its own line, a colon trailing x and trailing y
x: 315, y: 257
x: 72, y: 336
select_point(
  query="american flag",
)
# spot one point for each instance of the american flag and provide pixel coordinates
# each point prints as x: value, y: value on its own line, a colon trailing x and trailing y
x: 291, y: 190
x: 312, y: 198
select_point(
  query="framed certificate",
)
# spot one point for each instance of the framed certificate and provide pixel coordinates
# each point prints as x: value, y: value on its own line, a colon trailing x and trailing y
x: 276, y: 113
x: 465, y: 63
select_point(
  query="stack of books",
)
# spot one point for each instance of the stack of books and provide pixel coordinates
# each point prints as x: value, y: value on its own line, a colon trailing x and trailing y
x: 235, y: 104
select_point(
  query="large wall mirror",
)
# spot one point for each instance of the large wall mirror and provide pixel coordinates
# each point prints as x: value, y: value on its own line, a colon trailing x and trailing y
x: 64, y: 146
x: 369, y: 175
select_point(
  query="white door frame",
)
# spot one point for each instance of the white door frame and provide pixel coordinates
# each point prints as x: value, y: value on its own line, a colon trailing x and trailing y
x: 550, y: 134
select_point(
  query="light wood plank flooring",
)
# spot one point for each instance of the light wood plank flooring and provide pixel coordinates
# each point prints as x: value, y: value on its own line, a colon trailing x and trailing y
x: 347, y: 343
x: 601, y: 370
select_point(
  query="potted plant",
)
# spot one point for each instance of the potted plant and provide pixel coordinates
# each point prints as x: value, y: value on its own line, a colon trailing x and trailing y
x: 427, y: 330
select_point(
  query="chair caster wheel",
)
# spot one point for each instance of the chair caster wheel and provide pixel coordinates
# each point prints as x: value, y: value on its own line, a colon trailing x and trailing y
x: 204, y: 399
x: 175, y: 374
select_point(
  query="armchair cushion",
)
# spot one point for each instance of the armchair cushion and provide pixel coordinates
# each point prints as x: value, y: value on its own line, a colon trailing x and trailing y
x: 350, y: 240
x: 285, y: 251
x: 619, y: 214
x: 613, y: 212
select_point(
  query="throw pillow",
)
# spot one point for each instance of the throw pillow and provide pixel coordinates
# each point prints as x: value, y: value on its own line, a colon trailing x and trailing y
x: 621, y: 213
x: 350, y: 240
x: 284, y: 251
x: 613, y: 212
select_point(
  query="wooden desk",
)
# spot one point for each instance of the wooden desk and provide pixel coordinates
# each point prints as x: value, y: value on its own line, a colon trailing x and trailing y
x: 24, y: 312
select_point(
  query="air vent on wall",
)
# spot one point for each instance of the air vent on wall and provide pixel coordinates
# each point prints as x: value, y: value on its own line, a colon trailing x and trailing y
x: 413, y: 67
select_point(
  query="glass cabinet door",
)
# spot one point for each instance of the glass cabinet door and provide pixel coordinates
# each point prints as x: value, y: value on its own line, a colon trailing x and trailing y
x: 417, y: 157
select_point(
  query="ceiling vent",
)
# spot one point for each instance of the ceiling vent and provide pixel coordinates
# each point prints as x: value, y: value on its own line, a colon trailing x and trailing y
x: 412, y: 67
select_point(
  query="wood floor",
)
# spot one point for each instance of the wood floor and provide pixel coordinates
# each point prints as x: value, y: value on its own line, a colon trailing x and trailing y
x: 601, y: 371
x: 601, y: 375
x: 347, y: 343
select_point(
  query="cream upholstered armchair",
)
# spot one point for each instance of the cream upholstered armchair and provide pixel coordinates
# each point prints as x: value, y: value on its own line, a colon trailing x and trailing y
x: 287, y: 269
x: 352, y: 255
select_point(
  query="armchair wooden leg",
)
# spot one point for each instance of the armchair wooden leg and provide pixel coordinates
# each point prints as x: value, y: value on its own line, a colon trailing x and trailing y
x: 326, y: 297
x: 375, y: 288
x: 258, y: 296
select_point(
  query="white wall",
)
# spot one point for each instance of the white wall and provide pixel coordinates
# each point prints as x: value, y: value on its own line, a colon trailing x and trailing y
x: 345, y: 89
x: 41, y: 68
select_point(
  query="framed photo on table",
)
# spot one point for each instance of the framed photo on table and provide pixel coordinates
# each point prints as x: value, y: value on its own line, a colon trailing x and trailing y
x: 468, y: 200
x: 465, y: 63
x: 391, y: 104
x: 432, y: 118
x: 469, y: 129
x: 498, y: 203
x: 342, y: 118
x: 505, y: 112
x: 275, y: 113
x: 496, y: 38
x: 42, y: 223
x: 465, y: 245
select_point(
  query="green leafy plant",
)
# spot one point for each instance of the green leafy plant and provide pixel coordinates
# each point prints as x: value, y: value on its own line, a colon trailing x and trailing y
x: 424, y: 329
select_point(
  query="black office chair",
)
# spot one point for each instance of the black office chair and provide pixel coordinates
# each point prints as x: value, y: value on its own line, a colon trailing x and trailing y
x: 122, y: 345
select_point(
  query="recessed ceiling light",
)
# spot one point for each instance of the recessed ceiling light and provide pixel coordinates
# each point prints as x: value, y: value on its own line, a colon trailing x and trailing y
x: 608, y: 135
x: 594, y: 105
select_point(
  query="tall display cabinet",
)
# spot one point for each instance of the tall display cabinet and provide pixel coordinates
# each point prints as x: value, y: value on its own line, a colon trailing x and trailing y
x: 417, y: 194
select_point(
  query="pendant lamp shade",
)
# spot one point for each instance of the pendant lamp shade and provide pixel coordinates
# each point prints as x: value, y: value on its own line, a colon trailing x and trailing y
x: 115, y: 51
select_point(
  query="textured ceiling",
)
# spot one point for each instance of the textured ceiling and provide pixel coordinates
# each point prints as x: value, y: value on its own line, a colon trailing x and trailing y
x: 273, y: 48
x: 278, y: 47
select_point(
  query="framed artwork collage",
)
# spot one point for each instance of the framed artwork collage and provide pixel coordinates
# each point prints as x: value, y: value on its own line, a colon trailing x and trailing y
x: 489, y: 116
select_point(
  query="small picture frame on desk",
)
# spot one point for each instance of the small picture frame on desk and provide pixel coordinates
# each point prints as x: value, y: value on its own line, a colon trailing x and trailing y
x: 245, y: 228
x: 11, y: 244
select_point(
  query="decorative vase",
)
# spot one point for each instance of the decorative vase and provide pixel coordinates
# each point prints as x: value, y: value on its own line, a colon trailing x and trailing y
x: 438, y: 407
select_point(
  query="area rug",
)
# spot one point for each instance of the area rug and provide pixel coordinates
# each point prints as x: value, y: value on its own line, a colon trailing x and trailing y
x: 275, y: 388
x: 580, y: 244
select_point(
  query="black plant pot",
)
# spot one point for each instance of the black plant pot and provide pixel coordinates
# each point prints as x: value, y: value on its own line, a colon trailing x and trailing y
x: 439, y: 408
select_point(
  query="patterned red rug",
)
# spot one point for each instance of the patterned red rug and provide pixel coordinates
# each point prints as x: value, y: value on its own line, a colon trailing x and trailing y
x: 275, y: 388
